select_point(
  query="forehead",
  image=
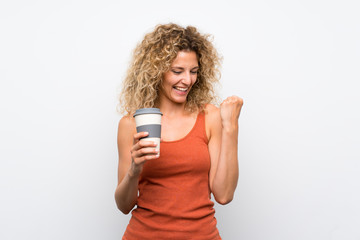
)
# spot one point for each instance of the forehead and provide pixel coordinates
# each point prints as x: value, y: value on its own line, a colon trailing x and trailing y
x: 185, y: 58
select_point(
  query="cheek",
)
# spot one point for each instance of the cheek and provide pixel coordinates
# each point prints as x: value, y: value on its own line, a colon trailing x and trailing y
x: 194, y: 80
x: 165, y: 83
x: 171, y: 81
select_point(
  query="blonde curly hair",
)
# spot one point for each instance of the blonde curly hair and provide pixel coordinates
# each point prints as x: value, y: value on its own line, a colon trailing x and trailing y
x: 153, y: 57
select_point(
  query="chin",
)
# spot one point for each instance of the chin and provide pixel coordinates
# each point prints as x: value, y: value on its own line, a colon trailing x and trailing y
x: 179, y: 100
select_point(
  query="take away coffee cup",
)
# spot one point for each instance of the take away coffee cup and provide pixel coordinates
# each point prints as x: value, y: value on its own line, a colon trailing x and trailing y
x: 149, y: 120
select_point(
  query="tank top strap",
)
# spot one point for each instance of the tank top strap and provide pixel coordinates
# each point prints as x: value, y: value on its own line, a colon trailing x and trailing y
x: 199, y: 128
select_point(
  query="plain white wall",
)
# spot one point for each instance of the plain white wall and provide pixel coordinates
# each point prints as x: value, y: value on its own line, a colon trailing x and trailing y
x: 295, y: 64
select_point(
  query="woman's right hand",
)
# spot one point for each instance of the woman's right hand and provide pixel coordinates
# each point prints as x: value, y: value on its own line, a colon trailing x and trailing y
x: 141, y: 152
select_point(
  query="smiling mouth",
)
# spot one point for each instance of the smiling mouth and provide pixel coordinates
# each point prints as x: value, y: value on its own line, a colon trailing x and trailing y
x: 181, y: 89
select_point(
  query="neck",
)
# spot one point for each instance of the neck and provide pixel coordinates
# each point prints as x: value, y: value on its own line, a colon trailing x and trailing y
x: 169, y: 108
x: 172, y: 109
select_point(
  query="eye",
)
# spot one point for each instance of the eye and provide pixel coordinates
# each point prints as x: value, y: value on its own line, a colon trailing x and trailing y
x: 176, y: 72
x: 194, y: 72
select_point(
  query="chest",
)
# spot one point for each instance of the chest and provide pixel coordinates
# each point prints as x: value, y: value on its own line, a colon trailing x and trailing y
x: 184, y: 156
x: 180, y: 159
x: 175, y: 129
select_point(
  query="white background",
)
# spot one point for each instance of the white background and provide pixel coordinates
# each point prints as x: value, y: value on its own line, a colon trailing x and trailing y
x: 295, y: 64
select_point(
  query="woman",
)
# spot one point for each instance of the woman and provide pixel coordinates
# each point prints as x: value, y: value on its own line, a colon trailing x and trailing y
x: 174, y: 69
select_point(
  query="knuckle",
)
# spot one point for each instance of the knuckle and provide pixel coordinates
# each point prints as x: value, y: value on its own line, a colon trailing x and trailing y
x: 142, y: 151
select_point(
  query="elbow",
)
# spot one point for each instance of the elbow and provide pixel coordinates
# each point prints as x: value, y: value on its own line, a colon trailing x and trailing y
x: 123, y: 209
x: 225, y: 199
x: 223, y: 196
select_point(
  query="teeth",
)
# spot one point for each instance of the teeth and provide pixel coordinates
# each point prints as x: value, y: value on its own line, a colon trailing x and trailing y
x: 181, y: 89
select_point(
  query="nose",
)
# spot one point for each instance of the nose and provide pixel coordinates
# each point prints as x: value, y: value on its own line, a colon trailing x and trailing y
x: 186, y: 78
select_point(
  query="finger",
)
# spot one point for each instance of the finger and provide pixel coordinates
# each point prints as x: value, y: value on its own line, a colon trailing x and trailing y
x: 144, y: 144
x: 237, y: 100
x: 230, y: 98
x: 145, y: 158
x: 139, y: 135
x: 226, y: 101
x: 144, y: 152
x: 233, y: 99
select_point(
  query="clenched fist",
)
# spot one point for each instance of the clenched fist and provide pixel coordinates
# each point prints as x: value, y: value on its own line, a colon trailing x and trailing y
x: 230, y: 110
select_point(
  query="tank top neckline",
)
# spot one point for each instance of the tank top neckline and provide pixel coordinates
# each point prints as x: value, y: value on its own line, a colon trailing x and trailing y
x: 188, y: 134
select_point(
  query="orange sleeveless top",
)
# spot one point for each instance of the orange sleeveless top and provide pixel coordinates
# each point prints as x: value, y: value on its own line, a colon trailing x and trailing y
x: 174, y: 193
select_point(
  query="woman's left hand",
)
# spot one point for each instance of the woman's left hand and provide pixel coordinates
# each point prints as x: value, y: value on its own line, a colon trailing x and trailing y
x: 230, y: 110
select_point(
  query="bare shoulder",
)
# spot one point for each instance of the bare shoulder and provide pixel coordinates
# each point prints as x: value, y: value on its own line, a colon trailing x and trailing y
x: 126, y: 131
x: 127, y: 126
x: 127, y: 121
x: 212, y: 113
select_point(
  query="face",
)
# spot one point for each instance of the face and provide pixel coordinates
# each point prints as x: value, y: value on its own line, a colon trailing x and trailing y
x: 177, y: 82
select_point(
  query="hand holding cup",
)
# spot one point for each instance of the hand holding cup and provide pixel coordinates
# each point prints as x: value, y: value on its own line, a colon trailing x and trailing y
x: 147, y: 139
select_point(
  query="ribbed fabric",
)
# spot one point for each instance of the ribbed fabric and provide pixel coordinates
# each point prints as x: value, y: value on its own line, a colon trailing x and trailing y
x: 174, y: 193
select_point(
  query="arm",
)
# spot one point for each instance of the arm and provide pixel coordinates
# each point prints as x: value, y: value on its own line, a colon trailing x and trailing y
x: 223, y: 149
x: 132, y: 156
